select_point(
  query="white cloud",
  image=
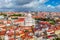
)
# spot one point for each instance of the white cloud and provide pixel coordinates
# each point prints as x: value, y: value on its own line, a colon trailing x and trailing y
x: 42, y: 1
x: 58, y: 6
x: 12, y: 3
x: 9, y: 5
x: 32, y: 5
x: 35, y: 3
x: 8, y: 1
x: 50, y: 6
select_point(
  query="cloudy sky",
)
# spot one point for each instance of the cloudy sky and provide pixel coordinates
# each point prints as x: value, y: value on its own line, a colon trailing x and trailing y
x: 29, y: 5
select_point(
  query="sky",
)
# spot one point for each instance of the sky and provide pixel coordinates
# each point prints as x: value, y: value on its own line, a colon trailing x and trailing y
x: 29, y: 5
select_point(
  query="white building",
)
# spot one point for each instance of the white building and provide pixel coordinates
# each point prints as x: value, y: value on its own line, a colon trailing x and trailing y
x: 6, y: 37
x: 1, y: 16
x: 29, y: 21
x: 25, y: 21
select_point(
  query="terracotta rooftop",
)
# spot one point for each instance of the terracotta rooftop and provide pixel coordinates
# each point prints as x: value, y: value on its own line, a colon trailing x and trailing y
x: 19, y: 20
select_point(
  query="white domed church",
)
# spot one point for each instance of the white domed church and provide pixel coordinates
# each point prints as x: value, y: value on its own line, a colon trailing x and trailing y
x: 29, y: 21
x: 26, y: 21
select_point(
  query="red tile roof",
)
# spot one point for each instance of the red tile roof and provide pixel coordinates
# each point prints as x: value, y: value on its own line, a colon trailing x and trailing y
x: 1, y: 25
x: 19, y: 20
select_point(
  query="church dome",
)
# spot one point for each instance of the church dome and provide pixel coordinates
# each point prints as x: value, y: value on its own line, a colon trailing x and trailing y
x: 29, y: 15
x: 29, y: 21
